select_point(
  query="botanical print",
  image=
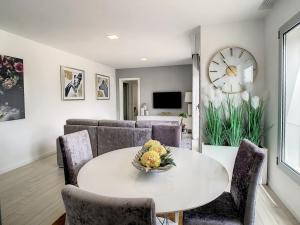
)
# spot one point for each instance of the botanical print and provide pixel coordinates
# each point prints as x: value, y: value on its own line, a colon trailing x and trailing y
x: 72, y: 82
x: 102, y: 87
x: 11, y: 88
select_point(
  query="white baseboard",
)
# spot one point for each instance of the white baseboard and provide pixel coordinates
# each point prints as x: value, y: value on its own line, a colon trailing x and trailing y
x: 25, y: 162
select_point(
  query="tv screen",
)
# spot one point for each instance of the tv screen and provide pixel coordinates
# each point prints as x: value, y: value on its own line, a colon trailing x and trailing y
x: 167, y: 100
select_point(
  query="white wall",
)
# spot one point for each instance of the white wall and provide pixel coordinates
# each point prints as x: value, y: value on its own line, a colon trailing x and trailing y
x: 23, y: 141
x: 287, y: 190
x: 248, y: 35
x: 163, y: 78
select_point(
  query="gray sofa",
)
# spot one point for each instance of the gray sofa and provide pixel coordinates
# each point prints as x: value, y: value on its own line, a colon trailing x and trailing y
x: 109, y: 135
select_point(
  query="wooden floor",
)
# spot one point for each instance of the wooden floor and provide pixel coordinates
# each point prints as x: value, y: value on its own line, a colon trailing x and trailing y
x: 30, y: 195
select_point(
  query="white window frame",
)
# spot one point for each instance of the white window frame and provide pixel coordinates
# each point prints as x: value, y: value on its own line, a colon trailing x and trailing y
x: 288, y: 26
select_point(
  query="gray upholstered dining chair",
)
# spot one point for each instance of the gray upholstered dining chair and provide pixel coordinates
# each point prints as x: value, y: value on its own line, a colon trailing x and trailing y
x: 83, y: 207
x: 76, y: 151
x: 236, y: 207
x: 0, y: 215
x: 167, y: 134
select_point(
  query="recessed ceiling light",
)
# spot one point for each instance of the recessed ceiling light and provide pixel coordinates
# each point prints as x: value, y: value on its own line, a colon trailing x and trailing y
x: 144, y: 59
x: 112, y: 37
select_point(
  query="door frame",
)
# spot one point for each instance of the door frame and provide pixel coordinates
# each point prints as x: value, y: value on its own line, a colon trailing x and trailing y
x: 121, y: 81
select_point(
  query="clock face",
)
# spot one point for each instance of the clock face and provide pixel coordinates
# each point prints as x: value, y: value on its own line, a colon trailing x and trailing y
x: 231, y: 68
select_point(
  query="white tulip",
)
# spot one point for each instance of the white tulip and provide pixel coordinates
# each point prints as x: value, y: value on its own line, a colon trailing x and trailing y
x: 236, y: 101
x: 255, y: 102
x: 205, y: 101
x: 245, y: 96
x: 217, y: 102
x: 219, y: 94
x: 211, y: 93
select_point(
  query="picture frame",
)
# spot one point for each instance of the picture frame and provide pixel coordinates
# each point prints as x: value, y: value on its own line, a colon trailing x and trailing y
x: 12, y: 97
x: 102, y: 87
x: 72, y: 83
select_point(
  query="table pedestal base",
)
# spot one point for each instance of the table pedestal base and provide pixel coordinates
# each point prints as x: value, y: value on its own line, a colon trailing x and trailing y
x: 166, y: 220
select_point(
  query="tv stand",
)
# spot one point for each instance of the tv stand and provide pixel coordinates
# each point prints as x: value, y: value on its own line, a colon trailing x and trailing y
x: 186, y: 121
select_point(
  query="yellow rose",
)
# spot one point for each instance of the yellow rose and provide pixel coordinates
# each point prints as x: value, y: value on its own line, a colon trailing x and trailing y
x: 151, y: 143
x: 150, y: 159
x: 161, y: 150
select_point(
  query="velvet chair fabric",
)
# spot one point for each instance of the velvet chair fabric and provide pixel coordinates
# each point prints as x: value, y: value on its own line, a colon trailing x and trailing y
x: 236, y: 207
x: 76, y: 151
x: 167, y: 134
x: 141, y: 136
x: 113, y: 138
x: 0, y: 215
x: 92, y: 130
x: 86, y: 208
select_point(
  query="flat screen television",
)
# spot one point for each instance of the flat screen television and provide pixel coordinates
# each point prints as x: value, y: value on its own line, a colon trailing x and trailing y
x: 167, y: 100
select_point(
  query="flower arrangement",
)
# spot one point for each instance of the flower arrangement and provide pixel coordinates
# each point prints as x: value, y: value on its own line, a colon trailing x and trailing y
x: 254, y: 108
x: 233, y: 122
x: 153, y: 157
x: 231, y: 118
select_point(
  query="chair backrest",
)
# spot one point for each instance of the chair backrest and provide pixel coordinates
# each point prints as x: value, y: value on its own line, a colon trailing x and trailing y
x: 0, y: 215
x: 87, y: 208
x: 76, y: 151
x: 246, y: 171
x: 169, y: 135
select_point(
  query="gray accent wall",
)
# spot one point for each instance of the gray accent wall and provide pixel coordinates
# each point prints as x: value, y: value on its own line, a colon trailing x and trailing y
x: 159, y: 79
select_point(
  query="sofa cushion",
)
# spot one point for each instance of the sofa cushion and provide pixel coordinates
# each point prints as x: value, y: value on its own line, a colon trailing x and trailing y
x: 116, y: 123
x: 86, y: 122
x: 92, y: 130
x: 113, y: 138
x: 141, y: 136
x: 150, y: 123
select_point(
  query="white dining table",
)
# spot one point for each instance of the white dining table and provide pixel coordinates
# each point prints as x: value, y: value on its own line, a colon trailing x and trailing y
x: 195, y: 181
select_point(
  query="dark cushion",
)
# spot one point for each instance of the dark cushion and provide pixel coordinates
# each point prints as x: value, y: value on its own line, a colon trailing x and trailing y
x: 86, y: 122
x: 116, y: 123
x: 92, y: 130
x: 141, y: 136
x: 167, y: 135
x: 221, y: 211
x: 150, y: 123
x: 113, y: 138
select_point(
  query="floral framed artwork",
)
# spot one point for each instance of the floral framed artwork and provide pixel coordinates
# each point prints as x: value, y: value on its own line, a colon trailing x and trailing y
x: 12, y: 106
x: 102, y: 87
x: 72, y: 83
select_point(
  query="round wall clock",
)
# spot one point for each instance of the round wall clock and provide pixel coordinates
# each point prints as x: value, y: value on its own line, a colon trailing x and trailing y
x: 230, y: 68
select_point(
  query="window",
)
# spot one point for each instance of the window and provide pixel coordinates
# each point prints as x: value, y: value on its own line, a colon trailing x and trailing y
x: 289, y: 98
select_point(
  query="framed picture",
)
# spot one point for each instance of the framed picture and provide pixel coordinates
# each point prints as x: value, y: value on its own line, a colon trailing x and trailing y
x: 12, y: 105
x: 72, y: 83
x: 102, y: 87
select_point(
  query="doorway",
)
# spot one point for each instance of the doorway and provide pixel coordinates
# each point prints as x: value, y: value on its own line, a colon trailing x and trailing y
x: 129, y: 98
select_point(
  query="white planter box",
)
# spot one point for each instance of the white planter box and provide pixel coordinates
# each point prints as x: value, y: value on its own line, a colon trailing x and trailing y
x: 226, y: 156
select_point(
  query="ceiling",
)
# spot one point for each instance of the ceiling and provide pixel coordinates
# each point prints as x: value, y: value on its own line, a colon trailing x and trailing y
x: 156, y: 29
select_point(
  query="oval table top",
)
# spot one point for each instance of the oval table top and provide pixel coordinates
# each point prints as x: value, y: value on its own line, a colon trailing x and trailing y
x: 194, y: 181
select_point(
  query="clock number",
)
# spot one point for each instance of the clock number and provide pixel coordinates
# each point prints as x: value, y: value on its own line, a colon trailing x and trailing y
x: 231, y: 53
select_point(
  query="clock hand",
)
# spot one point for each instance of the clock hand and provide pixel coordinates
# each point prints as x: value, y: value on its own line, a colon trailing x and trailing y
x: 228, y: 66
x: 219, y: 78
